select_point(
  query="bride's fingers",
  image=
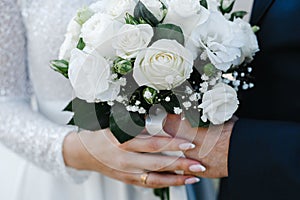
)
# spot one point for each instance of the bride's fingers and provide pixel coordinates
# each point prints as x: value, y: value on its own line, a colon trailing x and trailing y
x: 158, y: 180
x: 162, y: 163
x: 157, y: 144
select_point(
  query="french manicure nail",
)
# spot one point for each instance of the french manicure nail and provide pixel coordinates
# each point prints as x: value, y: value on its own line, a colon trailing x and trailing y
x: 197, y: 168
x: 187, y: 146
x: 191, y: 181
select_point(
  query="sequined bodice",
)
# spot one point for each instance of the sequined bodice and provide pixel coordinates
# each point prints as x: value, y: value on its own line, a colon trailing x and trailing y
x: 31, y: 32
x: 12, y: 52
x: 45, y: 23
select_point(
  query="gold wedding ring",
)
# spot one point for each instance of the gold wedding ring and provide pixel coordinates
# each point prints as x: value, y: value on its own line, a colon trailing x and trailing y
x: 144, y: 177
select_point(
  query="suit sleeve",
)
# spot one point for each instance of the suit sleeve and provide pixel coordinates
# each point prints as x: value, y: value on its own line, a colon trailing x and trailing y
x: 264, y: 161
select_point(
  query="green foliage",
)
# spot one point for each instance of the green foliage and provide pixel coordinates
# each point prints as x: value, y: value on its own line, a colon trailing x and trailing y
x: 194, y: 117
x: 174, y: 101
x: 81, y: 44
x: 204, y: 3
x: 162, y: 193
x: 195, y: 79
x: 228, y: 9
x: 125, y: 125
x: 150, y: 100
x: 61, y: 66
x: 129, y: 19
x: 238, y: 14
x: 142, y: 13
x: 89, y: 116
x: 168, y: 31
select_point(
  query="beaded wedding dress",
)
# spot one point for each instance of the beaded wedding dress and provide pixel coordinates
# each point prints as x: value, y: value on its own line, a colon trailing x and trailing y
x: 31, y: 99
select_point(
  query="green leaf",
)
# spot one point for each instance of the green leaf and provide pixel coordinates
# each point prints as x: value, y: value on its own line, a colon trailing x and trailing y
x: 195, y: 79
x: 69, y: 107
x: 81, y: 44
x: 141, y: 12
x: 238, y: 14
x: 138, y: 95
x: 103, y: 111
x: 228, y: 9
x: 89, y: 116
x: 71, y: 122
x: 129, y: 19
x: 194, y: 117
x: 60, y: 66
x: 204, y: 3
x: 168, y: 31
x: 125, y: 125
x: 170, y: 105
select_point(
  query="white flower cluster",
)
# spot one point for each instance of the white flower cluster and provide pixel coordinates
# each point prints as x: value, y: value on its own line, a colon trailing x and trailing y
x: 106, y: 41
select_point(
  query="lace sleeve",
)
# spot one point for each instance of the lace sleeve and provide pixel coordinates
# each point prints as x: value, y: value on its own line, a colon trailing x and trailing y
x: 22, y: 130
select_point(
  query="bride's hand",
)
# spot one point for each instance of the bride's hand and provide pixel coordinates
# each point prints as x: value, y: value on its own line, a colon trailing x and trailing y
x: 100, y: 151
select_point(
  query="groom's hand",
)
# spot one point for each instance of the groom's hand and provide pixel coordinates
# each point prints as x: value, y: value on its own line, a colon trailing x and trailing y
x: 212, y: 144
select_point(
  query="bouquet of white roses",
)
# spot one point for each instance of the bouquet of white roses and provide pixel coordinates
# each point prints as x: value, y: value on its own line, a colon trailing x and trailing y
x: 122, y: 57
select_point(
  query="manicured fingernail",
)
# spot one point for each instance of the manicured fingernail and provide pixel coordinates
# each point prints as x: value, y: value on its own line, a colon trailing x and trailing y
x: 191, y: 180
x: 187, y: 146
x: 197, y: 168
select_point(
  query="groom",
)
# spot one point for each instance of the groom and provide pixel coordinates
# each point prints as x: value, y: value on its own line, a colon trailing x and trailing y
x: 260, y: 153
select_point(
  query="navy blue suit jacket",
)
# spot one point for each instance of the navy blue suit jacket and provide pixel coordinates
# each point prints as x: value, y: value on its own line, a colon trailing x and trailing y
x: 264, y: 155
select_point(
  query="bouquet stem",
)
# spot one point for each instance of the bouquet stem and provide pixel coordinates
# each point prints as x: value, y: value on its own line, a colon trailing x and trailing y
x: 163, y: 193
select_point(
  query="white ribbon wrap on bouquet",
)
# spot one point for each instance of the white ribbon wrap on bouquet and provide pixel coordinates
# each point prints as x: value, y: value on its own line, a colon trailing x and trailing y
x: 154, y: 126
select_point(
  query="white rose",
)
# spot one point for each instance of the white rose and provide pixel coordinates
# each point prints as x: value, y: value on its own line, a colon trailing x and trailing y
x: 98, y: 6
x: 213, y: 5
x: 90, y: 77
x: 99, y: 29
x: 216, y: 41
x: 219, y: 104
x: 118, y: 8
x: 186, y: 13
x: 155, y: 7
x: 163, y: 66
x: 245, y: 33
x: 131, y: 39
x: 71, y: 40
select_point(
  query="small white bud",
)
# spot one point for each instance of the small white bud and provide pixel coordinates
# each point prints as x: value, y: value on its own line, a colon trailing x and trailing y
x: 187, y: 104
x: 245, y: 86
x: 177, y: 110
x: 110, y: 103
x: 204, y: 77
x: 167, y: 99
x: 188, y: 90
x: 137, y: 103
x: 142, y: 110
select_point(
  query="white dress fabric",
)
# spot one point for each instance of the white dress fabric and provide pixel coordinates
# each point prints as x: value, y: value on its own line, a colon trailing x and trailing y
x: 32, y: 97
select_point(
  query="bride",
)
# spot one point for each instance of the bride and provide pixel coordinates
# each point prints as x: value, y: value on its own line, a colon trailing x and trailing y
x: 32, y: 98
